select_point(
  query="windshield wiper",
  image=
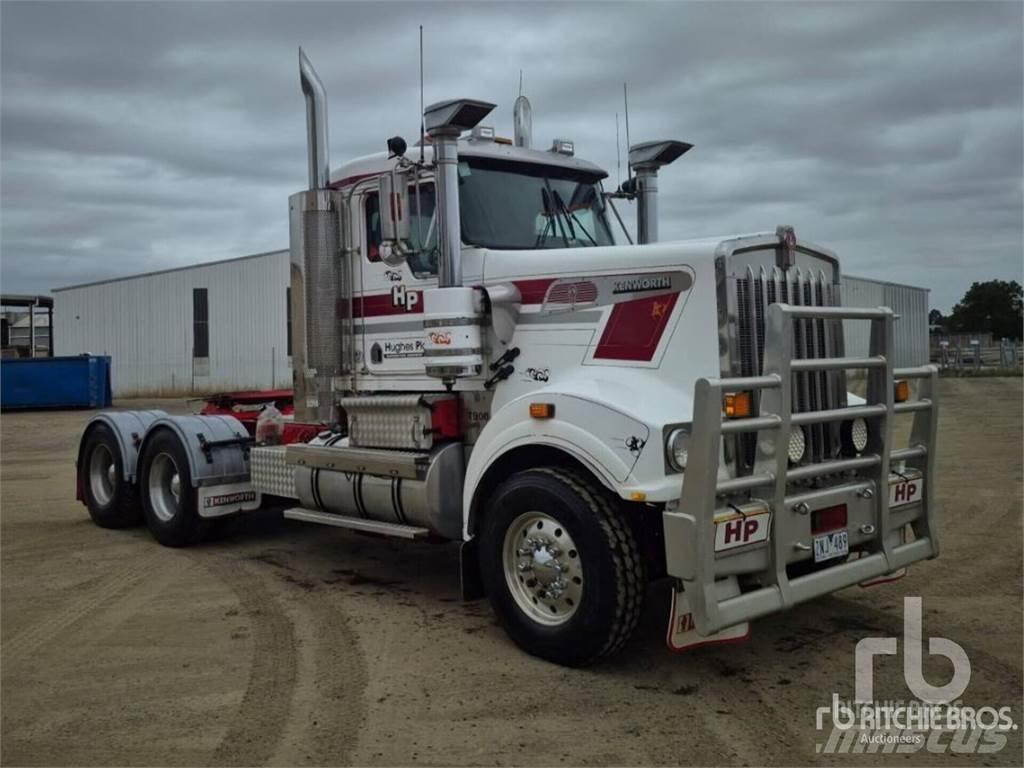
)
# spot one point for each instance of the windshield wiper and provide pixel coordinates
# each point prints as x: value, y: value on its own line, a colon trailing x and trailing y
x: 543, y: 236
x: 570, y: 217
x: 547, y: 196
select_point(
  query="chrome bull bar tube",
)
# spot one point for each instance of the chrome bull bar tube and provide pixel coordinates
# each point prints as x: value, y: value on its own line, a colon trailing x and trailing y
x: 690, y: 528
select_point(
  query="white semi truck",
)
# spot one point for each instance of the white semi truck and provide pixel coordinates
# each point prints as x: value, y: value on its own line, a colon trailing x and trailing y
x: 476, y: 359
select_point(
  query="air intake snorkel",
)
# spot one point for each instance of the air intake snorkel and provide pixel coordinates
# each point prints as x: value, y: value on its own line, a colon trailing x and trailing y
x: 646, y: 159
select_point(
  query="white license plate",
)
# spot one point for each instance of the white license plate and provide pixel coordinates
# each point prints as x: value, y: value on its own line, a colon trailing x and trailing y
x: 831, y: 545
x: 905, y: 491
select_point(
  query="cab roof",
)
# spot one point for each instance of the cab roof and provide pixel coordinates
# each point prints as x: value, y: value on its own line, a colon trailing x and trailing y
x: 378, y: 163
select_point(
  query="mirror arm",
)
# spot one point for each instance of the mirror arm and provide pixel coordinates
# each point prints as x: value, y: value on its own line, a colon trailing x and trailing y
x: 611, y: 202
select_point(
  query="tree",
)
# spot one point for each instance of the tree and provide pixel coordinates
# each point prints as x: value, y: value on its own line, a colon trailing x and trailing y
x: 993, y: 306
x: 935, y: 318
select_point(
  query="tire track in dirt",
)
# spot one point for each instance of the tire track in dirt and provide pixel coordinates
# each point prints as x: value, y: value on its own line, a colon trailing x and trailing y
x: 329, y: 701
x: 304, y: 701
x: 113, y: 587
x: 257, y: 725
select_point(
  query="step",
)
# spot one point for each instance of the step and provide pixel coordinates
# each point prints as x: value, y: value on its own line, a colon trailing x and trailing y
x: 356, y: 523
x: 411, y: 465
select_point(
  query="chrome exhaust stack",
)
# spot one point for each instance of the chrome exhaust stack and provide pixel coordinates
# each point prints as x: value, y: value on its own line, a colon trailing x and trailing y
x: 646, y: 159
x: 316, y: 124
x: 320, y: 284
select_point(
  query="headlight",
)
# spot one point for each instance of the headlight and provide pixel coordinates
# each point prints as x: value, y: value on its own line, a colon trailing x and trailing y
x: 797, y: 444
x: 855, y: 435
x: 676, y: 447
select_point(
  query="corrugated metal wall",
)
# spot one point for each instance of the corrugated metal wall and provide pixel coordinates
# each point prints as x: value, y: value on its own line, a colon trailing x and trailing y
x: 910, y: 303
x: 145, y: 324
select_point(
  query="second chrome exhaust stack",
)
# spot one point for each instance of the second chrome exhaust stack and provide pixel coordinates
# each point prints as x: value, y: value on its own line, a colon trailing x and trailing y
x: 316, y: 124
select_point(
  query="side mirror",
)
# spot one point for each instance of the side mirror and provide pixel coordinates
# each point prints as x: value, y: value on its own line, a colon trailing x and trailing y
x: 395, y: 217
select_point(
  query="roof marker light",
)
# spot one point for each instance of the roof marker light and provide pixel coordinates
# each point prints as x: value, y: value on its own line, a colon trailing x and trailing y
x: 563, y: 147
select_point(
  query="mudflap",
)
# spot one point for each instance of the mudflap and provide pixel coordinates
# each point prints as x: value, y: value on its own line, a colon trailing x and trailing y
x: 682, y: 631
x: 470, y: 581
x: 227, y: 499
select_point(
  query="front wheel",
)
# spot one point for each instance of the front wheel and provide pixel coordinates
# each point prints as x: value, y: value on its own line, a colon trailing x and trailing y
x: 561, y: 566
x: 168, y: 498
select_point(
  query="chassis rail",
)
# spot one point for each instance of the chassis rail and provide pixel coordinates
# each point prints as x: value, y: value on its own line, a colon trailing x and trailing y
x: 690, y: 529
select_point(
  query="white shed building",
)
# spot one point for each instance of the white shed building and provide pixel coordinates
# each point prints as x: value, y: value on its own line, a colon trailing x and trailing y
x: 223, y: 325
x: 205, y: 328
x: 911, y: 327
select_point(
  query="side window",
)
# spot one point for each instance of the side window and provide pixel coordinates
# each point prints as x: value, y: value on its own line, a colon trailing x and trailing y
x: 424, y: 260
x: 372, y: 226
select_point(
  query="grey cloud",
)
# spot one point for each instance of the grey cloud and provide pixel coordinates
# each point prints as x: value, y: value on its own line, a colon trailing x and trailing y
x: 145, y: 135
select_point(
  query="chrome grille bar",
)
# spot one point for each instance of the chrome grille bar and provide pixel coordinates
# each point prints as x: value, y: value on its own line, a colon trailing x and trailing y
x: 817, y: 386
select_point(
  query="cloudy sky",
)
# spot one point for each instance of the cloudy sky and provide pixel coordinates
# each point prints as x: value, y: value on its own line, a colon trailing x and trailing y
x: 139, y: 136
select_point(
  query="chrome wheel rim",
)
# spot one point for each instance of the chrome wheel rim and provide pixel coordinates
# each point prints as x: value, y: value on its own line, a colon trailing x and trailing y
x: 164, y: 487
x: 542, y: 568
x: 102, y: 475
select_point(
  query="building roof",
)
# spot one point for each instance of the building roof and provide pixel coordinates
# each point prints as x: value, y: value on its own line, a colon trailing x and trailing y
x: 25, y: 300
x: 200, y: 265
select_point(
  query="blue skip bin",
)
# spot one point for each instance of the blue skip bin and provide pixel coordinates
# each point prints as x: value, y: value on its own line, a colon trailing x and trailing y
x: 55, y: 382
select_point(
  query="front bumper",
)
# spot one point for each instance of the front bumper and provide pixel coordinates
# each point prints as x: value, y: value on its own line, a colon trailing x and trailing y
x: 861, y: 483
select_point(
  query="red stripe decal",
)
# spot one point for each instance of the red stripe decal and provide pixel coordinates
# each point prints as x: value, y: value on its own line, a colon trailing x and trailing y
x: 384, y: 304
x: 352, y: 179
x: 635, y: 328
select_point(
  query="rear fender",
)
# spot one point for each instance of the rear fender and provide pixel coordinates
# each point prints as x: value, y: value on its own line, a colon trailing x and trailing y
x: 220, y: 473
x: 129, y: 428
x: 208, y: 466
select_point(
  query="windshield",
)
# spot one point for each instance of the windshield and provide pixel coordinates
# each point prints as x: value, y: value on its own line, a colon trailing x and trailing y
x: 524, y: 205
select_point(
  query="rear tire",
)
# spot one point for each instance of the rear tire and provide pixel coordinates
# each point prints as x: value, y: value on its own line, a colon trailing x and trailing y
x: 111, y: 500
x: 561, y: 566
x: 168, y: 498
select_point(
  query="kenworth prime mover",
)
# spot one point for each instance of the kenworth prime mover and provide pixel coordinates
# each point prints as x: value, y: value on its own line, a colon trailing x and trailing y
x: 476, y: 359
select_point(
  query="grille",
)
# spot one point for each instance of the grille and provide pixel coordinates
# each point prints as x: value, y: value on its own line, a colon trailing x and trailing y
x: 755, y: 291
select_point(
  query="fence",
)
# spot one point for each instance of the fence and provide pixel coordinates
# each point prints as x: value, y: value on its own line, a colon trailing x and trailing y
x: 975, y: 356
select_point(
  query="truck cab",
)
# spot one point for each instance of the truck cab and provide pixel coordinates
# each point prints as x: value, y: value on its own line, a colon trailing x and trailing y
x: 476, y: 358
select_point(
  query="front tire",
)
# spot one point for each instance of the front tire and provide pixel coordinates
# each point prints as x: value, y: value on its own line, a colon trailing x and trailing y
x: 168, y: 498
x: 561, y: 566
x: 111, y: 500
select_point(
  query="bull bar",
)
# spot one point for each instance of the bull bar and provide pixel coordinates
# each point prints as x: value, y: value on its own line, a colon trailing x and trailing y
x: 690, y: 529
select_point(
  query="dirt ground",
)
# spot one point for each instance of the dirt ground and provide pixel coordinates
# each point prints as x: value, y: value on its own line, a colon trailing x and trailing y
x: 281, y: 643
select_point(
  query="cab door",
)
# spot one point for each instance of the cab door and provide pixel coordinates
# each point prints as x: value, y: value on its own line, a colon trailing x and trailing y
x: 388, y: 300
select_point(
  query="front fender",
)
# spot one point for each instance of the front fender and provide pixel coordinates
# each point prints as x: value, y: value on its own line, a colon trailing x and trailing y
x: 606, y: 440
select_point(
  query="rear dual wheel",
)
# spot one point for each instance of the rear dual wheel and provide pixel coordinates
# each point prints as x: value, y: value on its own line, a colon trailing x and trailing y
x: 168, y: 498
x: 561, y: 566
x: 111, y: 499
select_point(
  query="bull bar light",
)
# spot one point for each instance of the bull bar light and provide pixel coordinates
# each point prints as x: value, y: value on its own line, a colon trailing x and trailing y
x: 797, y: 445
x: 854, y: 436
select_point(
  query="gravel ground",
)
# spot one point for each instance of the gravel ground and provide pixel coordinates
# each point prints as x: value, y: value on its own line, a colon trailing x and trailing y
x: 280, y: 643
